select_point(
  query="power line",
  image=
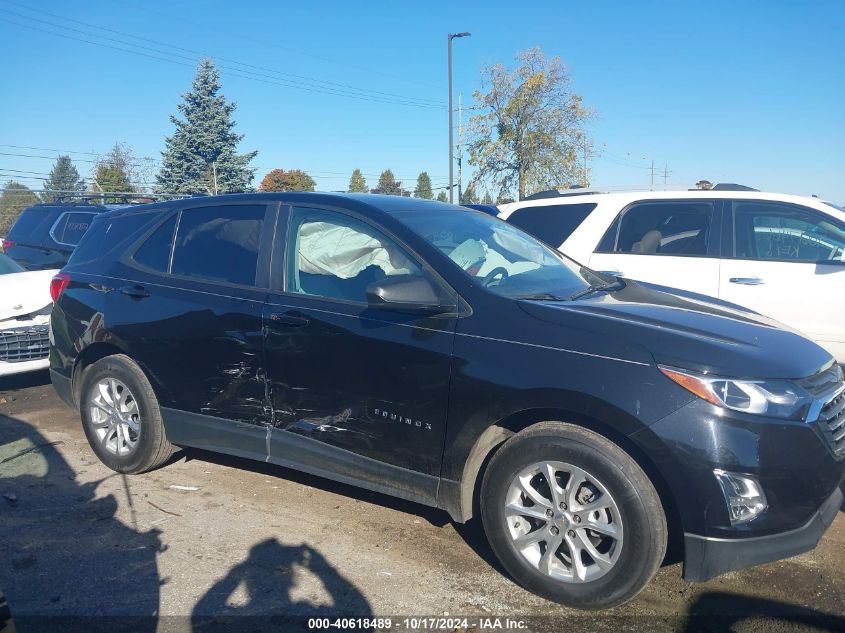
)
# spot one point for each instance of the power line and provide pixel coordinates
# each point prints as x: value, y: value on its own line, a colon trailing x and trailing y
x: 251, y: 38
x: 342, y: 90
x: 193, y: 52
x: 47, y: 149
x: 145, y: 160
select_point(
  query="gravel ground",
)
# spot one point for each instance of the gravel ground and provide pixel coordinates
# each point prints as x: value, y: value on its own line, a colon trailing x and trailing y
x: 217, y: 543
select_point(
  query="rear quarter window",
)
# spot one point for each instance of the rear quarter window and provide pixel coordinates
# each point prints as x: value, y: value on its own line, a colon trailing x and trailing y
x: 32, y: 225
x: 71, y: 226
x: 154, y: 252
x: 106, y: 233
x: 552, y: 224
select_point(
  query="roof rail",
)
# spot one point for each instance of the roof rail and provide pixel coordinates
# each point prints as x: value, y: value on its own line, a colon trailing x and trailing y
x: 562, y: 193
x: 732, y: 186
x: 85, y: 198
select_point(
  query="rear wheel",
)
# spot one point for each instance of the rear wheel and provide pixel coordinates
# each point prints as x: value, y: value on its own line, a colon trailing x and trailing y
x: 121, y: 416
x: 572, y: 517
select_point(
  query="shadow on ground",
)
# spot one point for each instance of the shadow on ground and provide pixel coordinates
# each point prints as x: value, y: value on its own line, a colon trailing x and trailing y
x: 259, y: 593
x: 718, y: 611
x: 68, y: 563
x: 24, y: 381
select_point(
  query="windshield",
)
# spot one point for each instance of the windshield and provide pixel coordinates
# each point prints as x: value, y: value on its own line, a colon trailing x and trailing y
x: 498, y: 256
x: 9, y: 265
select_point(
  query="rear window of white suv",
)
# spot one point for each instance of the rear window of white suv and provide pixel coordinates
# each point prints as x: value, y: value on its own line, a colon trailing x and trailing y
x: 552, y: 224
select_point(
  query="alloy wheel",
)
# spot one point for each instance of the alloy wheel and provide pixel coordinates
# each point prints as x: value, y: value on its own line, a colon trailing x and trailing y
x: 563, y: 522
x: 115, y: 418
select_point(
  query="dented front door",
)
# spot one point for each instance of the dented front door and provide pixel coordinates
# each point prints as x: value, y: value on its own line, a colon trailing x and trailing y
x: 374, y: 382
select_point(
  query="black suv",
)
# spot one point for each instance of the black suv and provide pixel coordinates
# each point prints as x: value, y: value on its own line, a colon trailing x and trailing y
x: 441, y: 355
x: 45, y: 235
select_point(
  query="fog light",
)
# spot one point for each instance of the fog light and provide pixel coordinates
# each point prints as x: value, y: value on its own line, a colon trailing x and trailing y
x: 744, y: 496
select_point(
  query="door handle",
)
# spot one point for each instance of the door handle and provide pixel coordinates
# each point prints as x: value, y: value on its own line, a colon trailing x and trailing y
x: 135, y: 292
x: 289, y: 320
x: 747, y: 281
x: 612, y: 273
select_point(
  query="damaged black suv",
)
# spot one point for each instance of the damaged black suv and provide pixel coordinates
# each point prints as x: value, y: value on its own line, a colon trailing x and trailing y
x: 438, y: 354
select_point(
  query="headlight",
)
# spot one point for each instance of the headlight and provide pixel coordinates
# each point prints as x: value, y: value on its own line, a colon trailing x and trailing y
x: 775, y: 398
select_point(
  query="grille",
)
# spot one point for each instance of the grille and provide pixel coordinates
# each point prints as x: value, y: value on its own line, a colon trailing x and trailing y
x: 832, y: 421
x: 24, y: 343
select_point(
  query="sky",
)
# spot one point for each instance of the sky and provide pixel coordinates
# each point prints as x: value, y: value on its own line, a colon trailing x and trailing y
x: 750, y: 92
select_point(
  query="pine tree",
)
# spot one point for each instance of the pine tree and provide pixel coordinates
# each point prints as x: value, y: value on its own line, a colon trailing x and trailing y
x: 63, y: 179
x: 387, y: 184
x: 441, y: 197
x: 469, y: 196
x: 14, y: 199
x: 488, y: 199
x: 201, y: 155
x: 423, y: 189
x: 357, y: 184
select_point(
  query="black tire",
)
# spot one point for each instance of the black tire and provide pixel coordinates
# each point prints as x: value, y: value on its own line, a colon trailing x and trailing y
x: 645, y: 533
x: 152, y: 448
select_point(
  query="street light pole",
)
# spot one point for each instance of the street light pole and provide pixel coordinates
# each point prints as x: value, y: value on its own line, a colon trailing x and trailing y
x: 451, y: 147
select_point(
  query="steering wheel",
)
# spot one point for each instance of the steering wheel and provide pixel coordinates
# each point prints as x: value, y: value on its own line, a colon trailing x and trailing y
x: 499, y: 271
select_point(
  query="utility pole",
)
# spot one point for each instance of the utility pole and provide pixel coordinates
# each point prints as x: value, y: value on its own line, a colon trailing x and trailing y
x: 452, y: 36
x: 665, y: 173
x: 586, y: 182
x: 214, y: 170
x: 652, y: 174
x: 460, y: 151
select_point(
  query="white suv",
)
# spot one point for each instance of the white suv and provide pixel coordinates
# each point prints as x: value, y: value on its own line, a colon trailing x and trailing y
x: 780, y: 255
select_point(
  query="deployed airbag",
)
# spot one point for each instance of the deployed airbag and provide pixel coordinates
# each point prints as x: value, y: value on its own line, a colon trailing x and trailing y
x: 341, y: 251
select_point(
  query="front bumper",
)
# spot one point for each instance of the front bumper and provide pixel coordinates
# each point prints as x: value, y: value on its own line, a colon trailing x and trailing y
x: 706, y: 557
x: 24, y: 345
x: 22, y: 367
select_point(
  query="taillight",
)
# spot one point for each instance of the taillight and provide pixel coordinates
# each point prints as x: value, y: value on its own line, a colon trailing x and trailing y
x: 7, y: 244
x: 58, y: 285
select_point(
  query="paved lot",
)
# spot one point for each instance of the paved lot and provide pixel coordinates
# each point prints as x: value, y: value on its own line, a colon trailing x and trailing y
x: 216, y: 536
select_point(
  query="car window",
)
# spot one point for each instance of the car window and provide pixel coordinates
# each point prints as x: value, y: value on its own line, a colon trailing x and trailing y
x: 9, y: 265
x: 666, y: 228
x: 71, y: 226
x: 105, y: 233
x: 553, y: 224
x: 498, y: 256
x: 784, y: 232
x: 219, y: 243
x: 155, y: 251
x: 335, y: 256
x: 28, y: 223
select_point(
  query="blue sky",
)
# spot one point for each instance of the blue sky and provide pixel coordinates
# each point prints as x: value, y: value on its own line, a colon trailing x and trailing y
x: 748, y: 92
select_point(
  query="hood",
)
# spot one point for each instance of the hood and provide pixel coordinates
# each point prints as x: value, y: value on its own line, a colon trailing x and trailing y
x: 23, y: 293
x: 689, y: 330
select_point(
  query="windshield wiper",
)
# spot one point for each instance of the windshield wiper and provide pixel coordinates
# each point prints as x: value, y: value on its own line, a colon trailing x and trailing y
x: 541, y: 296
x: 606, y: 287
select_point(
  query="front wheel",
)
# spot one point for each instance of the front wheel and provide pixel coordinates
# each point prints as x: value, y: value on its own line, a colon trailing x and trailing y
x: 121, y: 416
x: 572, y: 517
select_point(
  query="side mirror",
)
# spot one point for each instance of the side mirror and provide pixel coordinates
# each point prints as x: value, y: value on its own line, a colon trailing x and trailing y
x: 404, y: 292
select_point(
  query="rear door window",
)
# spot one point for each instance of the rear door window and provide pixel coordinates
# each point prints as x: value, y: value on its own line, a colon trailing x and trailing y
x: 552, y: 224
x: 219, y: 243
x: 678, y: 228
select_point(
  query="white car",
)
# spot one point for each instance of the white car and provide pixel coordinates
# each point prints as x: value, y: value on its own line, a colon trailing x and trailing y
x: 780, y: 255
x: 25, y: 306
